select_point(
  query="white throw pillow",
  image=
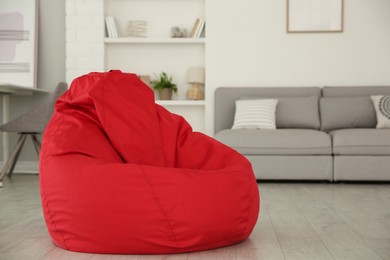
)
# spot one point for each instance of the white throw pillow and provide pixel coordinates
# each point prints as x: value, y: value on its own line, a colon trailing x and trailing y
x: 255, y: 114
x: 382, y: 109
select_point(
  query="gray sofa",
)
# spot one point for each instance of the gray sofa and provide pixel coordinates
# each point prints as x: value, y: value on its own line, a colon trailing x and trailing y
x: 322, y: 133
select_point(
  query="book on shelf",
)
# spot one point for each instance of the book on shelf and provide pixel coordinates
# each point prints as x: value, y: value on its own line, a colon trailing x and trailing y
x: 198, y: 29
x: 201, y: 28
x: 193, y: 32
x: 111, y: 27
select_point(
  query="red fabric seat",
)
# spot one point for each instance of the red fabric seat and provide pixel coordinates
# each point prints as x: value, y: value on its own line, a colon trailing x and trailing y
x: 120, y: 174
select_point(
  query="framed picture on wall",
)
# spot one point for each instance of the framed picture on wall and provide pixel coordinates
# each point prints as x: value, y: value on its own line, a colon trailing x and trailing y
x: 314, y: 16
x: 18, y: 42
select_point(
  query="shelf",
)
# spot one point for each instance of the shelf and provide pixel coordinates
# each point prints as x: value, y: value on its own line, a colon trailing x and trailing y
x: 181, y: 102
x: 158, y: 52
x: 128, y: 40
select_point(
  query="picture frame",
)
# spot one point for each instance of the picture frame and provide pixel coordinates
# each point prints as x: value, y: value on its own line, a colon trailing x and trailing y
x: 19, y: 42
x: 315, y: 16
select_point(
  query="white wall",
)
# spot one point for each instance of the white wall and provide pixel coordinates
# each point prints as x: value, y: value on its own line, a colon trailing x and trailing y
x: 247, y: 45
x: 84, y: 37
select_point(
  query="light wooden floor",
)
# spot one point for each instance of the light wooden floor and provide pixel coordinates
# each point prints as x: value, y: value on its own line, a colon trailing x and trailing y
x: 297, y: 221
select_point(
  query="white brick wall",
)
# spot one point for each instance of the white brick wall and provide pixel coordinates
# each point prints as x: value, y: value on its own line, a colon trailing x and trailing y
x: 84, y: 37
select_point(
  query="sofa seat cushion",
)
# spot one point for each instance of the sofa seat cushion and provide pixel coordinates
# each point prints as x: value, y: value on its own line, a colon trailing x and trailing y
x: 361, y: 141
x: 277, y: 142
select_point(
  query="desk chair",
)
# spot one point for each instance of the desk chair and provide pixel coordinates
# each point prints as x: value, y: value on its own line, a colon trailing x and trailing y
x: 32, y: 124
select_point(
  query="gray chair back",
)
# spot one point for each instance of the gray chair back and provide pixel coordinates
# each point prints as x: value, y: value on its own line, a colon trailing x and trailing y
x: 35, y: 121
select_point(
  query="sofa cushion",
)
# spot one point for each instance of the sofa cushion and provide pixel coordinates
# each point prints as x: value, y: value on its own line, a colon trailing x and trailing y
x: 296, y: 112
x: 255, y: 114
x: 361, y: 141
x: 382, y: 109
x: 353, y: 91
x: 277, y: 142
x: 225, y: 98
x: 347, y: 112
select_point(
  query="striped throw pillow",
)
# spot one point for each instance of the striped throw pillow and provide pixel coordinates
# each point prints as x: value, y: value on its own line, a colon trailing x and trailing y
x: 255, y: 114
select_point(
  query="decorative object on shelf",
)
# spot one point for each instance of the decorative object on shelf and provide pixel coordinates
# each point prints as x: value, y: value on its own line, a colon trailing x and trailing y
x: 145, y: 79
x: 196, y: 78
x: 198, y: 29
x: 137, y: 28
x: 112, y: 32
x: 178, y: 32
x: 165, y: 86
x: 308, y: 16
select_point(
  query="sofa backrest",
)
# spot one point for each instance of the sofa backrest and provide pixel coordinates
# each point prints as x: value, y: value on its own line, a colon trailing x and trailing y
x: 297, y: 106
x: 349, y: 107
x: 364, y: 91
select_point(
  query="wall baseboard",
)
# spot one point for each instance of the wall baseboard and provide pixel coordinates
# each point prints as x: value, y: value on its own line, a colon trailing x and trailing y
x: 26, y: 167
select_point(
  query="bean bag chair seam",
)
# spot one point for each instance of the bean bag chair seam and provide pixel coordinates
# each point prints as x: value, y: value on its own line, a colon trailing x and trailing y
x: 44, y: 198
x: 105, y: 81
x: 159, y: 205
x: 57, y: 127
x: 254, y: 193
x: 44, y: 201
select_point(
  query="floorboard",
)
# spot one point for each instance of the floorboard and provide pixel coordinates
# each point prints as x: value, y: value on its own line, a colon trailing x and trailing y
x: 297, y: 221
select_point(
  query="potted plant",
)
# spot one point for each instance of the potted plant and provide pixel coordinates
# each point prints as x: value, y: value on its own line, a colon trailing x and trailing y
x: 165, y: 86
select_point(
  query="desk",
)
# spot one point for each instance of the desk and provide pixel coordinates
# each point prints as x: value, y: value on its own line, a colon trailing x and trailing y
x: 6, y: 90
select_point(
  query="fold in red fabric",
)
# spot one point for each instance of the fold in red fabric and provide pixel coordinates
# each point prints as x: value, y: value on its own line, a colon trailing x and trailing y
x: 120, y: 174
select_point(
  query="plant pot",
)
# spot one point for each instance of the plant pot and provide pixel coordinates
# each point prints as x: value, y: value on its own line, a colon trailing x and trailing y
x: 165, y: 94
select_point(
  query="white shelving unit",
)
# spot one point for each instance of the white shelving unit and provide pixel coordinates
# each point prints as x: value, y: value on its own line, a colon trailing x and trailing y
x: 158, y: 52
x: 128, y: 40
x: 184, y: 103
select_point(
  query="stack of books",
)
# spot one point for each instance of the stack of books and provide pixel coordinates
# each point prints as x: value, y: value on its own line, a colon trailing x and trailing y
x: 111, y: 27
x: 198, y: 29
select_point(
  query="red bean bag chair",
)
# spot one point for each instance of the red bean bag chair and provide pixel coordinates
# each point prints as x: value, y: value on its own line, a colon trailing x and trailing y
x: 120, y: 174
